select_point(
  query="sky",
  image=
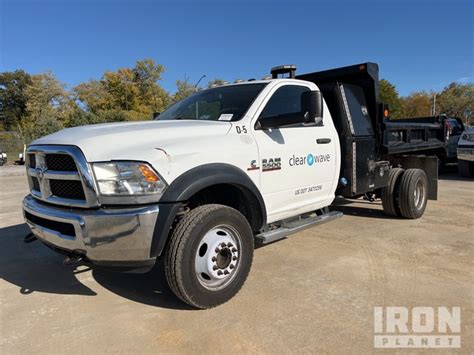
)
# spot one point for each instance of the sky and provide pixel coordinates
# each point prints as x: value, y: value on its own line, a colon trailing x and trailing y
x: 419, y: 45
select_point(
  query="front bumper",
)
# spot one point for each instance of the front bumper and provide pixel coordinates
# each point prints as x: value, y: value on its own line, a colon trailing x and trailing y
x: 109, y: 237
x: 466, y: 154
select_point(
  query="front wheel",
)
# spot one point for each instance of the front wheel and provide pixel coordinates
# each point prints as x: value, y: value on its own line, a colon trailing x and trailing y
x: 209, y: 255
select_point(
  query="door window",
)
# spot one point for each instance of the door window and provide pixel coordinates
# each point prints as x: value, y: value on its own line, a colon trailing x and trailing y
x: 286, y: 101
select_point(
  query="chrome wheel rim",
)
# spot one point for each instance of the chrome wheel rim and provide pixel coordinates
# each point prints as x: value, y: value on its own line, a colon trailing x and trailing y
x: 217, y: 259
x: 419, y: 194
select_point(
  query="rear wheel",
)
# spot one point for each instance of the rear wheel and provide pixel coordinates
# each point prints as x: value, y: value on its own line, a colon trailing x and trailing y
x: 209, y: 255
x: 413, y: 193
x: 466, y: 168
x: 389, y: 193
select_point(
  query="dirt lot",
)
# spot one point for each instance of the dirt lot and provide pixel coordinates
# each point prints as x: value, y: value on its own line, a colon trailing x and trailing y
x: 314, y: 291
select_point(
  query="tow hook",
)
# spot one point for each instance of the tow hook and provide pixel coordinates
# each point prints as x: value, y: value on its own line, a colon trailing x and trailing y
x: 72, y: 261
x: 29, y: 238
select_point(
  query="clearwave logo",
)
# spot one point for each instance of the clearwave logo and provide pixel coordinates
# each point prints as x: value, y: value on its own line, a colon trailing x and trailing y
x: 310, y: 159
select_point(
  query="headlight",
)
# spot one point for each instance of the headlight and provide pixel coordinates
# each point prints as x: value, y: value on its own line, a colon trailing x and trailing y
x: 468, y: 137
x: 127, y: 178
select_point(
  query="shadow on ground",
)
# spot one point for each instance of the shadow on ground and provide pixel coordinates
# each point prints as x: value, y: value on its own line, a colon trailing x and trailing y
x: 35, y: 268
x: 348, y: 208
x: 360, y: 211
x: 450, y: 172
x: 150, y: 288
x: 453, y: 176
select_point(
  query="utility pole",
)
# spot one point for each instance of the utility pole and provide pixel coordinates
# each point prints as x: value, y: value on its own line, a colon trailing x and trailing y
x: 434, y: 105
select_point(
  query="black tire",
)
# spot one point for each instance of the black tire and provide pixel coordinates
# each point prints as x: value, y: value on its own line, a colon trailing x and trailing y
x: 389, y: 193
x: 466, y: 168
x: 182, y: 252
x: 413, y: 193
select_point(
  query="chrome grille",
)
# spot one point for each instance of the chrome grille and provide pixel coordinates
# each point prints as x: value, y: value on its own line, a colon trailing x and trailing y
x: 60, y: 175
x: 67, y: 189
x: 36, y: 185
x: 60, y: 162
x: 32, y: 158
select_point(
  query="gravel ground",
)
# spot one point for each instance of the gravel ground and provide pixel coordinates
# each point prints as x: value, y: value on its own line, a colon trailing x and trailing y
x: 312, y: 292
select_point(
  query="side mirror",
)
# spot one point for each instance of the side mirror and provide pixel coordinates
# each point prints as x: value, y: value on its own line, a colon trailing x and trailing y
x: 312, y: 107
x: 155, y: 115
x: 311, y: 113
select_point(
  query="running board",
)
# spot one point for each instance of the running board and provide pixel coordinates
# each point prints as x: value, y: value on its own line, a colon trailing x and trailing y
x: 296, y: 226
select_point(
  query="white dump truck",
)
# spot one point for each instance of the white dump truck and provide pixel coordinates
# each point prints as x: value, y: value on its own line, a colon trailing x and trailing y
x: 223, y: 169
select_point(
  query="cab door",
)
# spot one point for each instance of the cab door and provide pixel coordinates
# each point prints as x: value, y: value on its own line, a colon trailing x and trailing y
x: 298, y: 163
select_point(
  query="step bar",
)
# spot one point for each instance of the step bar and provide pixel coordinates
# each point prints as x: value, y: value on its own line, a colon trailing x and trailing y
x: 291, y: 227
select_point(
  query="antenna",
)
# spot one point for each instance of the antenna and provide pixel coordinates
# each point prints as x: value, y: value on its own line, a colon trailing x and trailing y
x: 202, y: 77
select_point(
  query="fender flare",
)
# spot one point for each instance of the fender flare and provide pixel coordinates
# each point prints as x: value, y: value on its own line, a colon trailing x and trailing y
x: 191, y: 182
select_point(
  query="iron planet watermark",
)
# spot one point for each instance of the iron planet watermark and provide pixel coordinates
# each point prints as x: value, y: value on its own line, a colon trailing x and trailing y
x: 417, y: 327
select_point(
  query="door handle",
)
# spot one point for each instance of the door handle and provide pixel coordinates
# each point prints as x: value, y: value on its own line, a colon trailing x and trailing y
x: 323, y: 140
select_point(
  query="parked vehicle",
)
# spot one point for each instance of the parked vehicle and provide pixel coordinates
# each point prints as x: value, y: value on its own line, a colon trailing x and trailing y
x: 455, y: 129
x: 21, y: 157
x: 3, y: 157
x: 466, y: 153
x: 226, y: 167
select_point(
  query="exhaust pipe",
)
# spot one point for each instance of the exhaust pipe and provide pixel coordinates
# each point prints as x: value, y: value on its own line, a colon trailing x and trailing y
x: 29, y: 238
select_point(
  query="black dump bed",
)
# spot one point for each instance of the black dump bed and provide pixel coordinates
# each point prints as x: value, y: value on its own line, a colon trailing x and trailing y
x: 392, y: 136
x: 371, y: 142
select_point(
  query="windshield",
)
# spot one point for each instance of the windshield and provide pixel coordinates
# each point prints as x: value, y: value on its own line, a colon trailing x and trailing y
x: 225, y: 103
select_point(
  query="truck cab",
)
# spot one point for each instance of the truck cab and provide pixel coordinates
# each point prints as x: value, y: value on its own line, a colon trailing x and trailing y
x: 294, y: 164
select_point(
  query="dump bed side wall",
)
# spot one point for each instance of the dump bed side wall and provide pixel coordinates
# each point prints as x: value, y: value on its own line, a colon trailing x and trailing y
x: 366, y: 157
x: 415, y: 135
x: 364, y: 75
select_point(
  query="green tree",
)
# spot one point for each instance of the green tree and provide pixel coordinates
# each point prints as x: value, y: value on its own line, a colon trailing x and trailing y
x: 153, y: 98
x: 184, y: 89
x: 48, y: 106
x: 457, y: 100
x: 13, y: 99
x: 128, y: 93
x: 122, y: 88
x: 388, y: 94
x: 93, y: 96
x: 215, y: 82
x: 417, y: 104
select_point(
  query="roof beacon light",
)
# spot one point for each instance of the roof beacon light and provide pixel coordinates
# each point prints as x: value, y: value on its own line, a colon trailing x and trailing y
x: 289, y: 69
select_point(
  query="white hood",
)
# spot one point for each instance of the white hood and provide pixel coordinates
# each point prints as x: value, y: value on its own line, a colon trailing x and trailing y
x: 131, y: 140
